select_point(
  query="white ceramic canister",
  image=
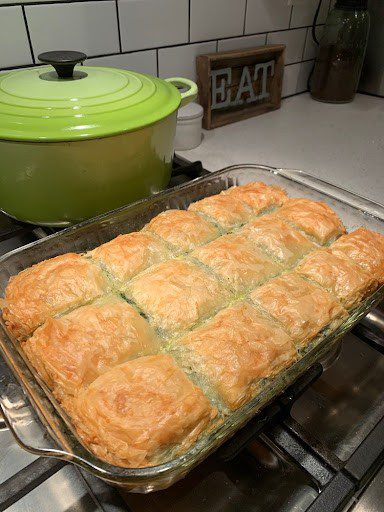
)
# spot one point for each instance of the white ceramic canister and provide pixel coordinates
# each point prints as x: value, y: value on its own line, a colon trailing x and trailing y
x: 188, y: 129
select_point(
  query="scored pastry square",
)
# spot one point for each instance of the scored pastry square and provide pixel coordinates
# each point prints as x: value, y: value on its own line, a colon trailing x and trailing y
x: 258, y: 196
x: 342, y: 277
x: 127, y: 255
x: 236, y: 260
x: 364, y: 247
x: 277, y: 238
x: 315, y: 218
x: 226, y: 211
x: 134, y: 414
x: 48, y: 288
x: 302, y: 308
x: 73, y: 350
x: 176, y: 294
x: 183, y: 229
x: 235, y: 350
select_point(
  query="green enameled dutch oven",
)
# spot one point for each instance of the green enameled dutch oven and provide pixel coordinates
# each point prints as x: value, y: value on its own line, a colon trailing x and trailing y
x: 78, y: 142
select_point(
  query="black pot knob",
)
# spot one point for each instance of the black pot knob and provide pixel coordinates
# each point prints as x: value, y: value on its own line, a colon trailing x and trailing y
x: 63, y: 61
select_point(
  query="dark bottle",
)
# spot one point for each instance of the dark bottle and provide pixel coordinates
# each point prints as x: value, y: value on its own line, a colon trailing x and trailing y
x: 341, y: 53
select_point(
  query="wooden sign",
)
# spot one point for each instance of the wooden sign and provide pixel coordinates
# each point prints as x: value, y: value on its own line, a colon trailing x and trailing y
x: 239, y: 84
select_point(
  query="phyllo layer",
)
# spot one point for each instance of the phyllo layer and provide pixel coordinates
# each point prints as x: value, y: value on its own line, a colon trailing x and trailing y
x: 71, y: 351
x: 302, y: 308
x: 184, y: 230
x: 127, y: 255
x: 258, y: 196
x: 235, y: 350
x: 176, y: 294
x: 135, y: 413
x: 48, y: 288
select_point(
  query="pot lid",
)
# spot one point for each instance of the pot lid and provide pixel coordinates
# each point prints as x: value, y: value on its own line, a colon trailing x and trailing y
x: 63, y: 104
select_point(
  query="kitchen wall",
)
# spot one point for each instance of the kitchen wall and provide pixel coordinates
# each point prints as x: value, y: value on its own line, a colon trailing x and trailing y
x: 160, y: 37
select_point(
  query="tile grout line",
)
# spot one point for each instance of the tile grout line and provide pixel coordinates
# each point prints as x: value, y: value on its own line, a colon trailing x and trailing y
x: 189, y: 21
x: 245, y: 16
x: 290, y: 17
x: 28, y: 34
x: 118, y: 24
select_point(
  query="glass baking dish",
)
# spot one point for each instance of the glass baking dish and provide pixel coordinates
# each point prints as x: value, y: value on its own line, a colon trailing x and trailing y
x: 36, y: 419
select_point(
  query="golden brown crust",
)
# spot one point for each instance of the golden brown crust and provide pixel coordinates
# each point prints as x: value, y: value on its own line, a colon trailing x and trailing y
x: 302, y: 308
x: 278, y: 239
x: 315, y: 218
x: 127, y: 255
x: 137, y: 410
x: 227, y: 211
x: 176, y: 294
x: 237, y: 261
x: 258, y: 195
x: 341, y: 277
x: 236, y: 349
x: 71, y: 351
x: 48, y: 288
x: 364, y: 247
x: 184, y: 230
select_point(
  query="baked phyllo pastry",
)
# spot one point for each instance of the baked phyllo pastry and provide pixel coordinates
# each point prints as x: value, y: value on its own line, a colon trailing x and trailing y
x: 183, y: 229
x: 316, y: 219
x: 48, y: 288
x: 127, y: 255
x: 259, y: 196
x: 141, y: 412
x: 364, y: 247
x: 226, y: 211
x: 340, y: 276
x: 302, y: 308
x: 278, y: 239
x: 235, y: 350
x: 176, y: 294
x: 237, y: 261
x: 71, y: 351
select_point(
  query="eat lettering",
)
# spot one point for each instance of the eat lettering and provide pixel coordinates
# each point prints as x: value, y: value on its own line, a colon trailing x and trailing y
x: 222, y: 81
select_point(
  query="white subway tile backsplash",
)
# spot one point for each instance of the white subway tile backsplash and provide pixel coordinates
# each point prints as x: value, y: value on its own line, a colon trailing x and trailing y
x: 180, y: 60
x: 90, y: 27
x: 152, y: 23
x: 294, y: 41
x: 241, y: 43
x: 266, y: 15
x: 303, y: 14
x: 142, y: 62
x: 296, y: 78
x: 311, y: 47
x: 212, y: 19
x: 14, y: 47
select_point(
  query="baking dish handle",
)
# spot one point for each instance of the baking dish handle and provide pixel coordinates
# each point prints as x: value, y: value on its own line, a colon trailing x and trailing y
x: 181, y: 83
x: 352, y: 199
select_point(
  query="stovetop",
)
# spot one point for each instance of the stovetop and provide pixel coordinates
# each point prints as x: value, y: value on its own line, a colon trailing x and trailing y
x: 318, y: 448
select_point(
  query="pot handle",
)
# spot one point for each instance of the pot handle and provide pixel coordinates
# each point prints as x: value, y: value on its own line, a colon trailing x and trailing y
x: 190, y: 94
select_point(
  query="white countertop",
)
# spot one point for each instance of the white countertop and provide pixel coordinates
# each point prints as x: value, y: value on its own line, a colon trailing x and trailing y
x: 343, y: 144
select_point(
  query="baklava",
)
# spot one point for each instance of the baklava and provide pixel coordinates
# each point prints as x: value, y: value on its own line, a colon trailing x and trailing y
x: 183, y: 230
x: 340, y: 276
x: 127, y: 255
x: 364, y: 247
x: 71, y: 351
x: 177, y: 294
x: 235, y: 350
x: 303, y: 309
x: 258, y: 196
x: 141, y: 412
x: 237, y: 261
x: 278, y: 239
x: 314, y: 218
x: 48, y: 288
